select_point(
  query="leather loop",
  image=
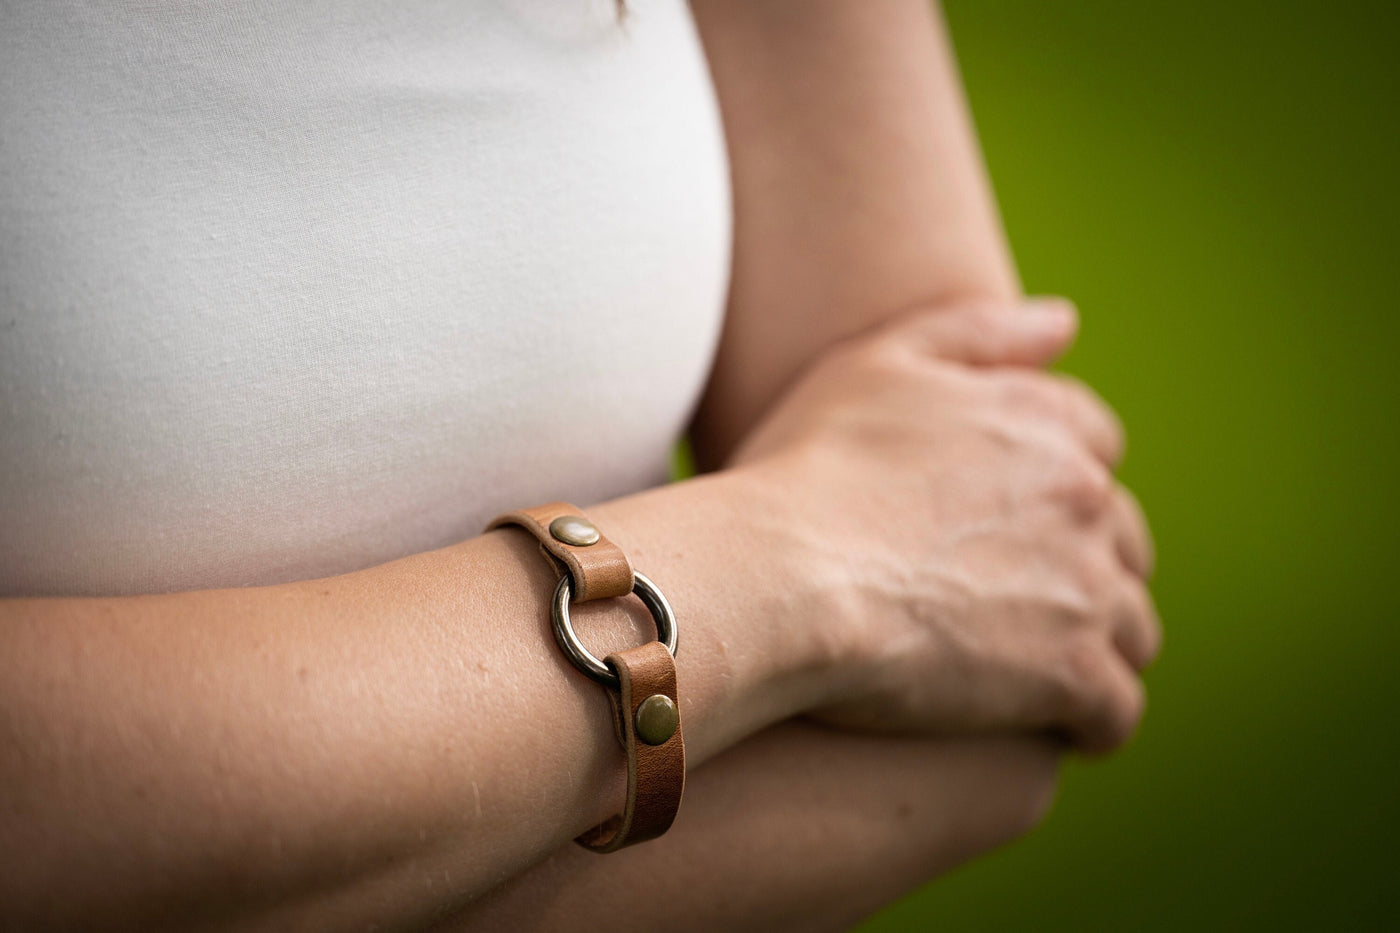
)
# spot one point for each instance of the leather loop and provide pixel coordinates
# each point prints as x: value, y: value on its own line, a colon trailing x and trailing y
x: 655, y: 773
x: 599, y: 570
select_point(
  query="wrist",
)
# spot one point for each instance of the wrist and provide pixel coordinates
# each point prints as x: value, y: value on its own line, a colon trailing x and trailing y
x: 750, y: 654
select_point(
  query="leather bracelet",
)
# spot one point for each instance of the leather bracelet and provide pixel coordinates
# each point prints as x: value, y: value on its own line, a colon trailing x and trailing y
x: 641, y: 681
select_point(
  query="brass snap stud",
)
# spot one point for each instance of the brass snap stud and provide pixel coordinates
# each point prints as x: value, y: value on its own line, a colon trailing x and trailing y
x: 575, y: 530
x: 657, y: 719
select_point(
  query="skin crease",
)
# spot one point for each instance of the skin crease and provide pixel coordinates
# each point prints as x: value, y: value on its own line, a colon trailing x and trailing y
x: 295, y: 756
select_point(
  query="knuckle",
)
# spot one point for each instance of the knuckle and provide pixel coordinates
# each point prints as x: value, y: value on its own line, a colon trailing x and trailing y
x: 1074, y: 607
x: 1097, y: 574
x: 1083, y: 682
x: 1096, y: 413
x: 1135, y: 628
x: 1091, y: 486
x: 1084, y: 484
x: 1137, y: 529
x: 1083, y: 597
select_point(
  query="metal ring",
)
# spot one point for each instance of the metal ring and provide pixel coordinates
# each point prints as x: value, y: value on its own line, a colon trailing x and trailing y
x: 584, y: 659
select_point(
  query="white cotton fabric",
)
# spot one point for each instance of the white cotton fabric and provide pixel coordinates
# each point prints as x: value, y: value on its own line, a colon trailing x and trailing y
x: 293, y: 287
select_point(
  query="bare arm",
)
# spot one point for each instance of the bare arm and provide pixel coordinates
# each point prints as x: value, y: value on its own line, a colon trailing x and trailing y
x: 859, y: 193
x: 797, y: 829
x: 380, y: 745
x: 859, y: 190
x: 384, y: 746
x: 388, y: 744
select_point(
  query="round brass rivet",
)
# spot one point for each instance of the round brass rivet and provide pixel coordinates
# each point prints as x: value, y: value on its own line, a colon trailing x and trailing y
x: 657, y: 719
x: 575, y: 530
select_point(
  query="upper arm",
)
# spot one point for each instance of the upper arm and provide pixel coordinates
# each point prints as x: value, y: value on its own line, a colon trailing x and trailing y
x: 858, y: 188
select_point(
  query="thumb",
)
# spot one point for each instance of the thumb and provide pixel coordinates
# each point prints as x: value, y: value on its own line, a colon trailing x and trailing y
x: 1029, y: 333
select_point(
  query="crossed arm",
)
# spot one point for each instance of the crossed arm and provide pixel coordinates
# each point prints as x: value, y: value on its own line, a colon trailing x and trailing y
x: 376, y: 775
x: 859, y: 193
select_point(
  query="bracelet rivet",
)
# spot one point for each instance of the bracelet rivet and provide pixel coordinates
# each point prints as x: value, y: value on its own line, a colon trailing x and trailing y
x: 657, y: 719
x: 574, y: 530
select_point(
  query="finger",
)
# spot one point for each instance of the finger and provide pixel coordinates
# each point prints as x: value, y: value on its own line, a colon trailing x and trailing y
x: 1031, y: 333
x: 1065, y: 402
x: 1091, y: 419
x: 1131, y: 537
x: 1107, y: 700
x: 1137, y: 630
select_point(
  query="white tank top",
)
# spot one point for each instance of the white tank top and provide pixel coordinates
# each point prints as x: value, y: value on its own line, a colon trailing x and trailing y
x: 293, y: 287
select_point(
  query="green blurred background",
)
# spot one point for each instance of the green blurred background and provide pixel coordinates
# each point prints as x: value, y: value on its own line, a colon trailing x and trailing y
x: 1215, y: 184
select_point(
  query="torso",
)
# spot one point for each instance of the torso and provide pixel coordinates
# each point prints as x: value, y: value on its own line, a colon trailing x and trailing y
x: 293, y: 288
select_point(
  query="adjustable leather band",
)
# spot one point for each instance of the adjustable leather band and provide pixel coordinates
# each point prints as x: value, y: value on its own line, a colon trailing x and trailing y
x: 599, y: 570
x: 646, y: 706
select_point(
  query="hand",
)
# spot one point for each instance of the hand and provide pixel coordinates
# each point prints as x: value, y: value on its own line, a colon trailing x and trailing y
x: 979, y: 567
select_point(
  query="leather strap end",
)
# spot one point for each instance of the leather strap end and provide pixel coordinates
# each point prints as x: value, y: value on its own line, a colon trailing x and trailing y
x: 655, y: 773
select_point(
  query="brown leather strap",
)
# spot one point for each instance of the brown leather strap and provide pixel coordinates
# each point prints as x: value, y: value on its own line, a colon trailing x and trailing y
x: 599, y: 570
x: 655, y: 773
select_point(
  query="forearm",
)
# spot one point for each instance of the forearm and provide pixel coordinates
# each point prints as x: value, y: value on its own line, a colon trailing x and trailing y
x: 799, y: 828
x: 859, y: 189
x: 859, y: 193
x: 376, y: 746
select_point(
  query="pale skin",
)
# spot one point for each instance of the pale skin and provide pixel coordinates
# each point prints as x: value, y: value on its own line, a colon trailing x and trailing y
x: 388, y: 745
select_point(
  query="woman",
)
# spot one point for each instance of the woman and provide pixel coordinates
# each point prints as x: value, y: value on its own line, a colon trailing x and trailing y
x: 300, y: 295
